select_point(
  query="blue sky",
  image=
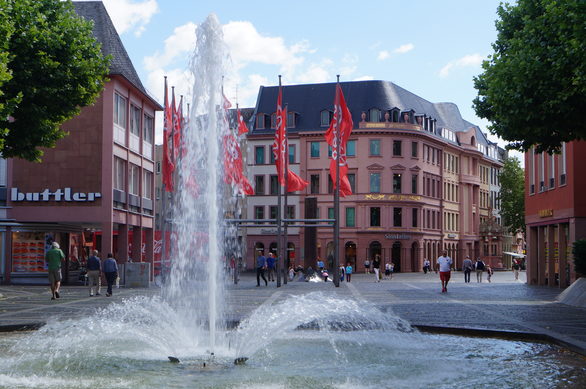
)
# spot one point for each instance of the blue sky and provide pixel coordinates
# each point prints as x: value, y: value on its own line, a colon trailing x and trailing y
x: 431, y: 48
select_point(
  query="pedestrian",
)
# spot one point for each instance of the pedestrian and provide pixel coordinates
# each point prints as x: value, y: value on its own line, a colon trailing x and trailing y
x: 479, y: 269
x: 111, y: 273
x: 94, y: 267
x: 387, y: 271
x: 489, y: 273
x: 367, y: 266
x: 325, y: 275
x: 291, y: 273
x: 392, y: 269
x: 53, y: 258
x: 426, y: 266
x: 467, y: 268
x: 271, y: 261
x: 261, y: 266
x: 348, y: 272
x: 445, y: 267
x: 376, y: 267
x: 320, y: 264
x: 516, y: 268
x: 342, y: 273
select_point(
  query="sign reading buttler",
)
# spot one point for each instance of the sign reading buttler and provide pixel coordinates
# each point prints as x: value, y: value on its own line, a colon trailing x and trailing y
x: 65, y: 194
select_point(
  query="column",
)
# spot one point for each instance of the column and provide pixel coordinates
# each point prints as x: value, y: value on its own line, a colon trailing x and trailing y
x: 541, y: 256
x: 122, y: 249
x: 563, y: 260
x: 136, y: 254
x: 106, y: 246
x: 531, y: 259
x: 551, y: 255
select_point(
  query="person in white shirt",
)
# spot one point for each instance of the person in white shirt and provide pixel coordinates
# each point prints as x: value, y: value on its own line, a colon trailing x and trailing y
x: 445, y: 267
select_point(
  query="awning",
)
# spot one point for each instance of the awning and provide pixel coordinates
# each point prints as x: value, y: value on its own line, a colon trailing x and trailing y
x: 514, y: 254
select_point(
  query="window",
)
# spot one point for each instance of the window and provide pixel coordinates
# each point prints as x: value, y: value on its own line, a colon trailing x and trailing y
x: 331, y: 214
x: 330, y: 185
x: 148, y: 129
x: 260, y: 121
x: 271, y: 155
x: 120, y: 110
x: 134, y: 180
x: 551, y: 171
x: 414, y: 217
x: 135, y: 115
x: 414, y: 178
x: 119, y: 174
x: 314, y: 146
x: 398, y: 217
x: 259, y: 155
x: 397, y: 183
x: 350, y: 217
x: 147, y: 185
x: 374, y: 182
x: 274, y: 185
x: 325, y: 118
x: 290, y: 212
x: 375, y: 147
x: 397, y: 145
x: 329, y: 151
x: 291, y: 153
x: 259, y: 185
x: 414, y: 146
x: 532, y: 171
x: 273, y: 212
x: 314, y: 181
x: 259, y: 212
x: 158, y: 167
x: 290, y: 119
x: 351, y: 148
x: 541, y: 172
x: 375, y: 216
x: 374, y: 115
x: 352, y: 179
x: 562, y: 165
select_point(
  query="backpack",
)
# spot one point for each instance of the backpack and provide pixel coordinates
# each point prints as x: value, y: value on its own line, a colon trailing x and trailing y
x: 479, y: 265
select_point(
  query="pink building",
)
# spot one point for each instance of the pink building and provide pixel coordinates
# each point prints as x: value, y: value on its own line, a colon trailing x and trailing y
x: 422, y: 177
x: 95, y: 188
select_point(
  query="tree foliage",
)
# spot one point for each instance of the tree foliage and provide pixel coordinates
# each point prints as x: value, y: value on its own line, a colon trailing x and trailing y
x: 55, y: 66
x: 512, y: 196
x: 533, y: 88
x: 6, y: 30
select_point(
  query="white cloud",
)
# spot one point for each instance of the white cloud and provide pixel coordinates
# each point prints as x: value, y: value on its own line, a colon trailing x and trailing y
x: 470, y: 60
x: 129, y: 15
x: 404, y: 48
x: 382, y: 55
x: 363, y: 78
x: 177, y: 46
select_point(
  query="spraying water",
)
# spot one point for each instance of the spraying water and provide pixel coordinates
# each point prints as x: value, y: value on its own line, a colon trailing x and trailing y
x: 196, y: 285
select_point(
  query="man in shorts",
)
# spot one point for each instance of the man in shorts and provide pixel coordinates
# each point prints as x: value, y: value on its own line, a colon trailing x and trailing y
x: 54, y: 258
x: 445, y: 267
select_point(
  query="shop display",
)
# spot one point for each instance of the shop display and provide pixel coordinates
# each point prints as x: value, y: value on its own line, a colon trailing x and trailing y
x: 28, y: 252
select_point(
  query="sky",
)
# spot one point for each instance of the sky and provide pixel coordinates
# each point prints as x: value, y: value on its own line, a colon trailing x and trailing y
x: 431, y: 48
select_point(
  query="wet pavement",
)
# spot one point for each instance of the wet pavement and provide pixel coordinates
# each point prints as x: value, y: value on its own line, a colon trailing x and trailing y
x: 504, y: 307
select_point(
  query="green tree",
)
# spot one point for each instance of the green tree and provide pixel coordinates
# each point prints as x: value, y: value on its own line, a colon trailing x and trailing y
x: 6, y: 29
x: 533, y: 88
x: 55, y: 66
x: 512, y: 195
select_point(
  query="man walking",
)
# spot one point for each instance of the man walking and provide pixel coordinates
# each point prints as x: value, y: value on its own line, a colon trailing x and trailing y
x: 376, y: 267
x: 111, y: 273
x: 479, y: 269
x: 467, y: 268
x: 445, y: 267
x: 93, y: 273
x: 271, y: 266
x: 261, y: 265
x: 53, y: 258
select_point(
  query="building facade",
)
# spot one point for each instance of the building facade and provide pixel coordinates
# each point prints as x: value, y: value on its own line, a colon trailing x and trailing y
x: 420, y: 175
x: 94, y: 190
x: 555, y: 213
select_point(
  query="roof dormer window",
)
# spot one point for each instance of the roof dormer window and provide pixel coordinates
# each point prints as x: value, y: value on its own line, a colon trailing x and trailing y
x: 325, y: 117
x: 374, y: 115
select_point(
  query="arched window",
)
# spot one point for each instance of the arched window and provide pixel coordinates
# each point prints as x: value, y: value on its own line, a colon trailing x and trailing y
x: 350, y: 253
x: 259, y: 248
x: 375, y: 248
x: 273, y: 248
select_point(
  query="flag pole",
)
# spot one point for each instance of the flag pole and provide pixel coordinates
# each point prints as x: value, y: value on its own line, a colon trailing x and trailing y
x: 164, y: 206
x: 286, y: 174
x: 279, y: 217
x: 337, y: 199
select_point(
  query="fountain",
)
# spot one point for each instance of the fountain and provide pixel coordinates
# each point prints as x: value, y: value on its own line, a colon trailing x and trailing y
x: 314, y: 340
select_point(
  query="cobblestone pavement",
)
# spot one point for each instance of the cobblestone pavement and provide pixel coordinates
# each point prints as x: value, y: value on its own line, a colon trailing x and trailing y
x: 504, y: 306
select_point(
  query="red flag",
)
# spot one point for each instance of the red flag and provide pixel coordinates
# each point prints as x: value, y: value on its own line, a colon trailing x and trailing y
x: 280, y: 148
x: 177, y: 126
x: 242, y: 129
x: 341, y: 121
x: 234, y: 165
x: 225, y: 102
x: 168, y: 166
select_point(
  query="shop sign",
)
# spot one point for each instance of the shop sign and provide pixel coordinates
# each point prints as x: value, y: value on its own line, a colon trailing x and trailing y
x: 398, y: 236
x: 268, y: 232
x: 392, y: 197
x: 59, y: 195
x: 545, y: 212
